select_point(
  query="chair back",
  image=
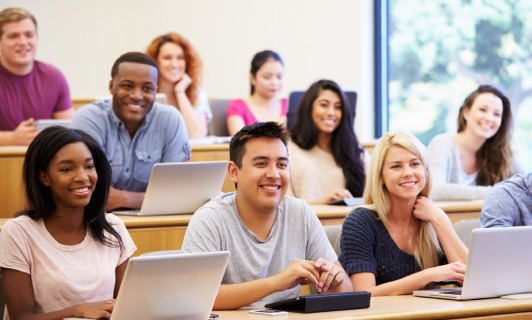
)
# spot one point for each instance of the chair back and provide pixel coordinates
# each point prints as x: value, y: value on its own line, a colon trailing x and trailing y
x: 464, y: 228
x: 333, y: 234
x: 218, y: 123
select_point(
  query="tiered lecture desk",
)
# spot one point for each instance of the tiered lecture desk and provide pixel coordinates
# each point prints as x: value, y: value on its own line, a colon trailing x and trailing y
x: 408, y: 307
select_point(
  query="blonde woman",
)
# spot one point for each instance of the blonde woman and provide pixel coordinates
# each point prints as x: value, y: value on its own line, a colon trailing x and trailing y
x: 399, y: 241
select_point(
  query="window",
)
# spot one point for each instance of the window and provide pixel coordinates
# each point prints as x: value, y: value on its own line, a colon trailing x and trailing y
x: 437, y: 52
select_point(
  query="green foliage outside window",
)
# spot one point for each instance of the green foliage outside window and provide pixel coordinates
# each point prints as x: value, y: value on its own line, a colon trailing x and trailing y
x: 441, y: 50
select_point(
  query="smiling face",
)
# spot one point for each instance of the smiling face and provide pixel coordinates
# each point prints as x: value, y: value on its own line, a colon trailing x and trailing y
x: 403, y: 174
x: 268, y: 80
x: 171, y: 61
x: 18, y: 46
x: 263, y: 176
x: 485, y: 115
x: 133, y: 89
x: 71, y: 176
x: 327, y: 111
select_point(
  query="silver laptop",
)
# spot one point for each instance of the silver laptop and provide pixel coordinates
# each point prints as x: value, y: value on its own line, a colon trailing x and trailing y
x: 180, y: 187
x: 176, y: 286
x: 499, y: 263
x: 45, y: 123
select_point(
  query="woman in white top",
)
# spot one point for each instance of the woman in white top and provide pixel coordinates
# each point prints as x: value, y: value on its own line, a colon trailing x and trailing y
x: 326, y: 160
x: 179, y: 78
x: 465, y: 165
x: 63, y: 256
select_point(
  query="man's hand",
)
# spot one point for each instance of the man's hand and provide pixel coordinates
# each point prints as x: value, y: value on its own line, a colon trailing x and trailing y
x: 298, y: 272
x: 331, y: 275
x: 24, y: 134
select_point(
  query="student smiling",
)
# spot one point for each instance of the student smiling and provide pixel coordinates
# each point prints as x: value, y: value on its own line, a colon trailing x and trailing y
x: 266, y: 78
x: 399, y: 241
x: 277, y: 243
x: 134, y: 131
x: 327, y: 160
x: 479, y: 155
x: 63, y: 256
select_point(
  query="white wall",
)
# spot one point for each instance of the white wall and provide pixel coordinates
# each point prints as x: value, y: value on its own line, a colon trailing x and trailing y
x: 316, y: 39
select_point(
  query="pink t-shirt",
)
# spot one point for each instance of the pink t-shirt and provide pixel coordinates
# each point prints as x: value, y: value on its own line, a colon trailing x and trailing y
x: 238, y: 107
x: 63, y: 276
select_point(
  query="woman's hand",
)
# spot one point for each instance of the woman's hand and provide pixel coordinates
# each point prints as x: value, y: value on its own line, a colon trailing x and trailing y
x: 182, y: 85
x: 335, y: 194
x: 95, y: 310
x: 448, y: 272
x: 425, y: 210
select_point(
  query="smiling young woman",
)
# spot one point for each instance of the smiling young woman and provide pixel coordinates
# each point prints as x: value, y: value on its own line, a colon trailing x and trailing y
x: 399, y: 241
x: 180, y: 70
x: 479, y: 155
x: 326, y: 160
x: 63, y: 250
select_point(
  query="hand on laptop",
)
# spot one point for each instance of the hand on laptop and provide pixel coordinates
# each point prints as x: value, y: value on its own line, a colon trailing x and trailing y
x: 448, y: 272
x: 331, y: 275
x: 95, y: 310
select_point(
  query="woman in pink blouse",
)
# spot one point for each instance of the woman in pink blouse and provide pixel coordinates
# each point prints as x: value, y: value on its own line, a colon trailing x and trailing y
x: 267, y: 76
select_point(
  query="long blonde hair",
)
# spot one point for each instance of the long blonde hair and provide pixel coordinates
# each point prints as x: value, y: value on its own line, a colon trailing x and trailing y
x: 378, y: 199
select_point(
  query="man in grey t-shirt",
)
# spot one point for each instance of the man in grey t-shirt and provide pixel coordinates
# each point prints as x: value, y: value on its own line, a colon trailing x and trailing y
x: 509, y: 203
x: 277, y: 243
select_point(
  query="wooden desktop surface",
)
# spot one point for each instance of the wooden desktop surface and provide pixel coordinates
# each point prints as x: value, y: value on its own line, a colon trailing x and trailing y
x: 12, y: 159
x: 411, y: 308
x: 154, y: 233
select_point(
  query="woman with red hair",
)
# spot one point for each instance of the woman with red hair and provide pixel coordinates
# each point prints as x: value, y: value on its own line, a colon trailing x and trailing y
x: 179, y: 77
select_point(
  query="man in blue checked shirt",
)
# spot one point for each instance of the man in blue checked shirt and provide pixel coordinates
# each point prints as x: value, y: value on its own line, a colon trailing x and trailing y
x: 134, y: 131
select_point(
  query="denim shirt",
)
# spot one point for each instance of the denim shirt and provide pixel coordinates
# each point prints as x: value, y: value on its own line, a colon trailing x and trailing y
x: 162, y: 137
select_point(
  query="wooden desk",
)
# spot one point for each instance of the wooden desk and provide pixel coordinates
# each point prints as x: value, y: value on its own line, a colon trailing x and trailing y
x: 410, y: 307
x: 12, y: 158
x: 167, y: 232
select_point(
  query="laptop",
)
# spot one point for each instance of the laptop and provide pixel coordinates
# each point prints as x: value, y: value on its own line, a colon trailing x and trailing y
x: 180, y: 187
x: 499, y: 263
x: 45, y: 123
x: 174, y: 286
x: 296, y: 95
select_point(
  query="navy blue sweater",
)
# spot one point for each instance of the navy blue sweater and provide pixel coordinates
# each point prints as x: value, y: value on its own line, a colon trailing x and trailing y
x: 368, y: 247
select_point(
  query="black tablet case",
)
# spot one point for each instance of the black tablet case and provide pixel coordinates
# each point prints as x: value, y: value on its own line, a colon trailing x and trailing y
x: 324, y: 302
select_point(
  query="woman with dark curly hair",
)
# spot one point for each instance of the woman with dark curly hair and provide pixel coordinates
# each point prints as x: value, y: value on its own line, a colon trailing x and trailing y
x: 466, y: 164
x: 180, y: 70
x: 63, y: 256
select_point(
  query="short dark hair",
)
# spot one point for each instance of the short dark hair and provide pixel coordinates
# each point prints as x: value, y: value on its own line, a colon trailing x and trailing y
x: 270, y: 129
x: 261, y: 58
x: 40, y: 203
x: 137, y: 57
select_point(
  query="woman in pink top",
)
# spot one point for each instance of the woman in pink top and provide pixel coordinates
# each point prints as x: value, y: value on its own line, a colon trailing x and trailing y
x: 63, y: 256
x: 267, y: 76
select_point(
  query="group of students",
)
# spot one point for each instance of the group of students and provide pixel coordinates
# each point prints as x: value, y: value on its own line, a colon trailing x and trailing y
x: 63, y: 256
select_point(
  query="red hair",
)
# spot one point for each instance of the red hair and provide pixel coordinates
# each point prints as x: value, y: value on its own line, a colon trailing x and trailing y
x: 194, y: 64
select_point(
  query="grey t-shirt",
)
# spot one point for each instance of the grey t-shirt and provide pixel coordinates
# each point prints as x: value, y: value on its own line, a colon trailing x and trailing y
x: 296, y: 234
